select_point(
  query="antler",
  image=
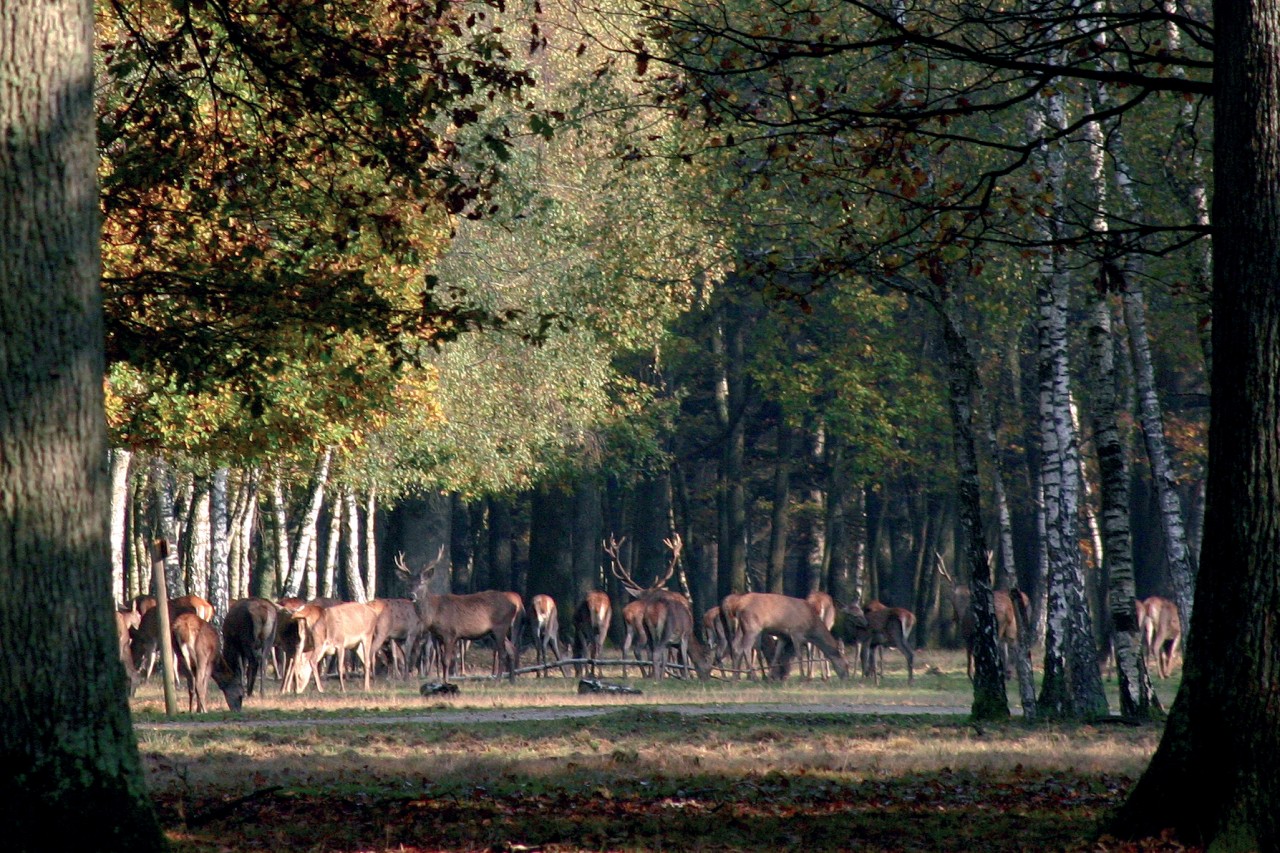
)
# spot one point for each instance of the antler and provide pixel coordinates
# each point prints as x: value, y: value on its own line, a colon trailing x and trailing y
x: 426, y: 571
x: 675, y: 544
x: 942, y: 569
x: 612, y: 548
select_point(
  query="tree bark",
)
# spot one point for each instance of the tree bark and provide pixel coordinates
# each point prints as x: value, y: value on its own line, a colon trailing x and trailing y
x: 989, y: 700
x: 219, y: 544
x: 307, y: 528
x: 1213, y: 776
x: 780, y: 525
x: 120, y: 459
x: 66, y: 740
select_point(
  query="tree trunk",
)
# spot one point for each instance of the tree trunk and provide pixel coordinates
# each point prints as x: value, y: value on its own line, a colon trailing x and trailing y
x: 164, y: 524
x: 371, y: 584
x: 730, y: 353
x: 1177, y: 553
x: 307, y: 528
x: 1213, y: 776
x: 244, y: 520
x: 278, y: 569
x: 328, y: 574
x: 197, y: 539
x: 500, y: 546
x: 347, y: 507
x: 219, y: 546
x: 120, y: 460
x: 989, y: 701
x: 778, y: 529
x: 1137, y: 700
x: 70, y: 762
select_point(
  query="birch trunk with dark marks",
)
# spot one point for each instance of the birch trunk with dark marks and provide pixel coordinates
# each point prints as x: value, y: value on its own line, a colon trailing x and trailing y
x: 219, y: 544
x: 302, y: 553
x: 120, y: 460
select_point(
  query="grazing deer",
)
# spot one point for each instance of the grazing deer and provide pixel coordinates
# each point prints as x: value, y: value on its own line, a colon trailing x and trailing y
x: 249, y: 636
x: 145, y: 639
x: 450, y: 618
x: 825, y: 607
x: 546, y: 631
x: 349, y: 625
x: 716, y: 637
x: 1161, y: 631
x: 1006, y: 619
x: 399, y: 626
x: 590, y: 628
x: 665, y: 617
x: 873, y: 629
x: 195, y: 643
x: 792, y: 619
x: 295, y: 639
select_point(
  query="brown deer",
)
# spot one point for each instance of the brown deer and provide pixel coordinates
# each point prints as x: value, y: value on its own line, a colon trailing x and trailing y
x: 398, y: 626
x: 666, y: 617
x: 295, y: 638
x: 1161, y: 631
x: 635, y: 638
x: 716, y: 637
x: 450, y: 618
x: 195, y: 644
x: 873, y: 629
x: 792, y: 619
x: 127, y: 620
x: 248, y: 637
x: 546, y: 631
x: 349, y: 625
x: 1006, y: 619
x: 590, y: 628
x: 145, y: 638
x: 907, y: 624
x: 825, y: 607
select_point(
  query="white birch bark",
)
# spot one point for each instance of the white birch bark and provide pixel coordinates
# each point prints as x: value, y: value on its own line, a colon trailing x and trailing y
x: 219, y: 544
x: 351, y: 535
x: 371, y: 543
x: 278, y: 507
x: 120, y: 459
x: 307, y: 529
x: 329, y: 566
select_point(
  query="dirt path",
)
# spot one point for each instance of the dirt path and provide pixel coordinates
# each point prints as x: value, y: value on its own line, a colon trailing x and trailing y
x: 497, y: 715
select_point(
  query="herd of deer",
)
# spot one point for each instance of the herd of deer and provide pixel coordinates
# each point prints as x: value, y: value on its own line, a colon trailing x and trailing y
x: 753, y: 633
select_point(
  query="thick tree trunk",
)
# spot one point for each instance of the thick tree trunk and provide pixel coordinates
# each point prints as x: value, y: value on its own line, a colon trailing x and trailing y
x: 371, y: 584
x: 1213, y: 777
x: 71, y: 768
x: 729, y: 349
x: 196, y: 544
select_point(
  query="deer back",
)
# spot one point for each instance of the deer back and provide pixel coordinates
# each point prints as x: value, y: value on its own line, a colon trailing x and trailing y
x: 824, y: 606
x: 593, y: 614
x: 467, y: 617
x: 348, y: 624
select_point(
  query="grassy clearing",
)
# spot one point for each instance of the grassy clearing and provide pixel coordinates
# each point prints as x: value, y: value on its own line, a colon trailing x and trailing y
x: 799, y: 770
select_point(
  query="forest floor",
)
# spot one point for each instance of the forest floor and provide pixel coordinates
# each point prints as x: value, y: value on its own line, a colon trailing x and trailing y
x: 799, y: 765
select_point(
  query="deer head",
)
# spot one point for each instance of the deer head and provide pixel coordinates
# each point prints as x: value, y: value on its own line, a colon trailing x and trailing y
x: 417, y: 579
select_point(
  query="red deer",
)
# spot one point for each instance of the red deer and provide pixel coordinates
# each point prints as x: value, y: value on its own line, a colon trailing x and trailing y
x: 825, y: 607
x: 399, y: 625
x: 295, y: 639
x: 1006, y: 619
x: 249, y: 636
x: 875, y: 628
x: 666, y: 616
x: 635, y: 637
x: 792, y: 619
x: 717, y: 639
x: 195, y: 644
x: 1161, y: 631
x: 126, y: 620
x: 590, y: 628
x: 907, y: 623
x: 450, y: 618
x: 349, y: 625
x: 145, y: 639
x: 546, y: 631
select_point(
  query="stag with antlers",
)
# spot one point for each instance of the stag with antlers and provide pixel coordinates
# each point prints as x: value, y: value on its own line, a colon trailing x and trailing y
x: 1006, y: 618
x: 664, y: 616
x: 450, y: 618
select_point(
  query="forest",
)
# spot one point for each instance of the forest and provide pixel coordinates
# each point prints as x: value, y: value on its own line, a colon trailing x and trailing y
x: 630, y: 294
x: 865, y: 298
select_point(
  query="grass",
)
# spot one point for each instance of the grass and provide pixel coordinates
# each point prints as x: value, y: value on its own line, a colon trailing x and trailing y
x: 721, y: 766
